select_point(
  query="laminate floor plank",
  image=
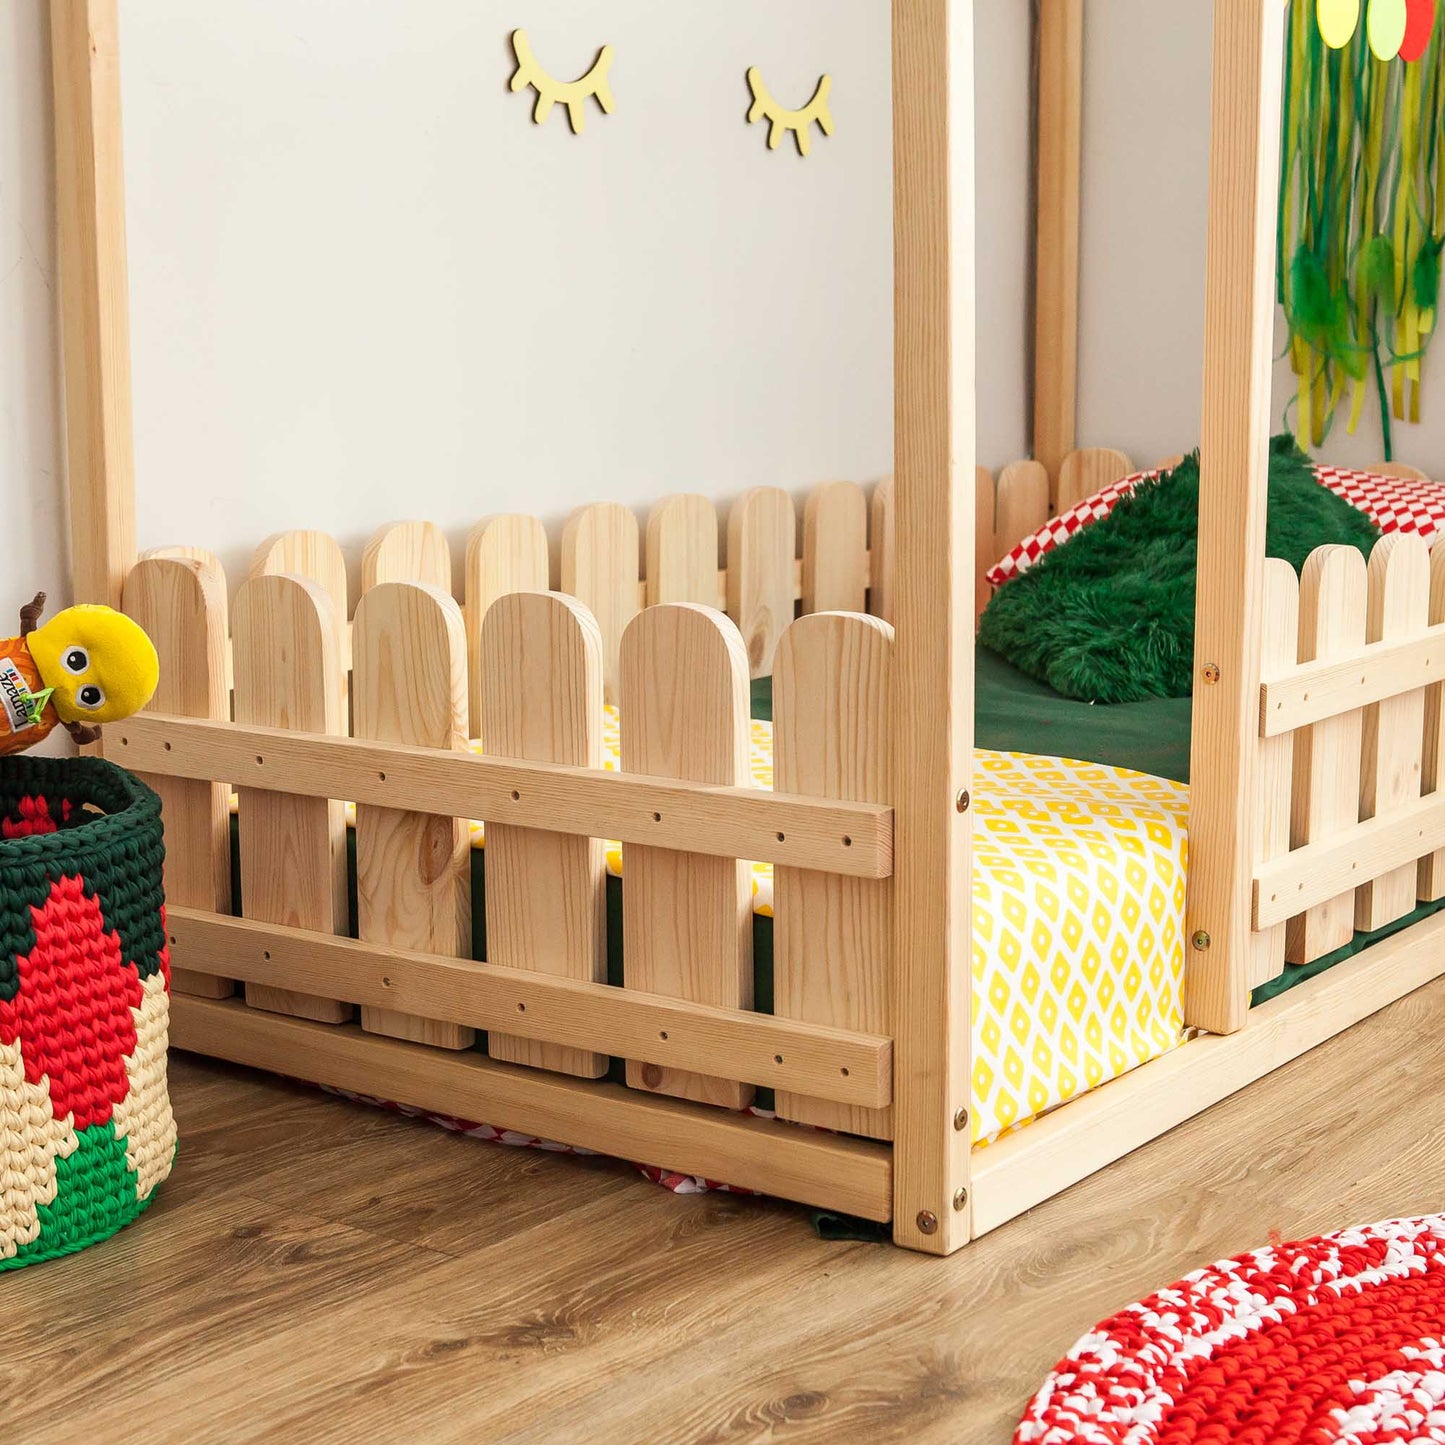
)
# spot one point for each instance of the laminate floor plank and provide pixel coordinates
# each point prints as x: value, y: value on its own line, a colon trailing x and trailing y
x: 320, y: 1270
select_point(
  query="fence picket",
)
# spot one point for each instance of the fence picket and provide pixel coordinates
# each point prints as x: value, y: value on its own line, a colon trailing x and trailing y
x: 762, y: 567
x: 181, y: 603
x: 1087, y: 471
x: 601, y: 548
x: 687, y: 919
x: 1022, y: 507
x: 413, y: 878
x: 316, y: 555
x: 1431, y: 885
x: 1393, y: 730
x: 883, y: 550
x: 985, y: 538
x: 1333, y: 591
x: 541, y: 657
x: 682, y: 552
x: 507, y: 554
x: 1275, y: 780
x: 293, y: 849
x: 408, y: 552
x: 835, y: 548
x: 833, y: 937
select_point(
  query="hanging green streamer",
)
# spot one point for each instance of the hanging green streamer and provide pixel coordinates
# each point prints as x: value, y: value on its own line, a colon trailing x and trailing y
x: 1361, y: 229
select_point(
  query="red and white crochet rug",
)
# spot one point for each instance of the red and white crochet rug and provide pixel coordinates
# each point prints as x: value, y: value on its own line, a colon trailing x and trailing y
x: 1340, y: 1338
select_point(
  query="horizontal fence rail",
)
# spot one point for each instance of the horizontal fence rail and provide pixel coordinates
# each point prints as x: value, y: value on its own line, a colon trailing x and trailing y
x: 810, y: 1059
x: 1320, y: 690
x: 828, y: 836
x: 1317, y: 872
x: 805, y: 1165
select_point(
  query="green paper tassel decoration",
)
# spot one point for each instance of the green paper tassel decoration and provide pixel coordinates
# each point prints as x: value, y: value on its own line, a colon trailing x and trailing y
x: 1361, y: 217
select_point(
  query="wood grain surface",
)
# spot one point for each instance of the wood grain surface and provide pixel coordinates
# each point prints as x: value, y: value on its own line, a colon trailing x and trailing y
x: 467, y: 1291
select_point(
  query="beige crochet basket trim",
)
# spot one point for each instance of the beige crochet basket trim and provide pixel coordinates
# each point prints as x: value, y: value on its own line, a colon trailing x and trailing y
x: 31, y: 1139
x: 143, y: 1118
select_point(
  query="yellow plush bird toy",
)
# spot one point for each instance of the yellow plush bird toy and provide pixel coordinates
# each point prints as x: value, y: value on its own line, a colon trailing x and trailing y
x: 87, y: 665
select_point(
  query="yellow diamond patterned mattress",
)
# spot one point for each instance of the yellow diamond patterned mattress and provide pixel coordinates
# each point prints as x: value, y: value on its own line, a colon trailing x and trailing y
x: 1078, y: 945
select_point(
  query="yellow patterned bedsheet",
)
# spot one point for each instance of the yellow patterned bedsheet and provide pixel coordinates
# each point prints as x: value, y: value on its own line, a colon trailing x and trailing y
x: 1078, y: 923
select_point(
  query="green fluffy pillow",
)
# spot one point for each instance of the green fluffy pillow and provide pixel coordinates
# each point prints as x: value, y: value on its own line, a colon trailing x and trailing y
x: 1109, y: 616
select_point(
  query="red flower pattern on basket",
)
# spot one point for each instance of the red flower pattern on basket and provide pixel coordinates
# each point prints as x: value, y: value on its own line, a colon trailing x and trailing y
x: 73, y: 1013
x: 1337, y: 1338
x: 1394, y: 504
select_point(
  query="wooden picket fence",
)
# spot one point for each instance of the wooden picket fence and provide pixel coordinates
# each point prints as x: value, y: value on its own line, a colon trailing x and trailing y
x: 1351, y: 818
x: 296, y: 704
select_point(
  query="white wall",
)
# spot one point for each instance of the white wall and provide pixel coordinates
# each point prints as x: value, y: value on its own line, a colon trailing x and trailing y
x: 36, y: 553
x: 1145, y: 186
x: 364, y: 285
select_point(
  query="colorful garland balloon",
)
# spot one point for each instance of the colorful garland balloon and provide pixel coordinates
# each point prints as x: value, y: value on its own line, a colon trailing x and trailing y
x: 1361, y: 216
x: 1397, y: 29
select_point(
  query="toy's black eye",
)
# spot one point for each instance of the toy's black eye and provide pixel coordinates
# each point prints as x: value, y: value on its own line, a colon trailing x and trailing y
x: 76, y: 660
x: 90, y: 696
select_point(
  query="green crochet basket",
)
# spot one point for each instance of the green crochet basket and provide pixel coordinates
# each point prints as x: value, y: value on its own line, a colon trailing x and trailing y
x: 86, y: 1132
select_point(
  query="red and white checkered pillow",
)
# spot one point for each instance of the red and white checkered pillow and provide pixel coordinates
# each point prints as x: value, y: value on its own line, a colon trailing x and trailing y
x: 1393, y: 504
x: 1058, y: 530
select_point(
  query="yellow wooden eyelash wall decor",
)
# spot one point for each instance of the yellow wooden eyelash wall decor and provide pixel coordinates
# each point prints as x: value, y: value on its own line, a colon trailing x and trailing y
x: 782, y: 120
x: 574, y: 94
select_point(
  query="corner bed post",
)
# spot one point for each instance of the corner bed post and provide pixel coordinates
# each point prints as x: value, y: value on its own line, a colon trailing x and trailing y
x: 933, y: 613
x: 95, y: 317
x: 1059, y: 110
x: 1234, y: 484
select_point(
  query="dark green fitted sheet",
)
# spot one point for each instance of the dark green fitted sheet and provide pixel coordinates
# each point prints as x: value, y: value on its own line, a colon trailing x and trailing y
x: 1015, y: 714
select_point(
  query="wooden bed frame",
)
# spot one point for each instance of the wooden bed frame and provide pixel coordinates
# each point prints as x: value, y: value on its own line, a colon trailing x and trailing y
x: 870, y: 828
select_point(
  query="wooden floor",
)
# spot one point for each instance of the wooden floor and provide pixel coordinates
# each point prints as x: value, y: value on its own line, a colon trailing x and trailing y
x: 318, y: 1270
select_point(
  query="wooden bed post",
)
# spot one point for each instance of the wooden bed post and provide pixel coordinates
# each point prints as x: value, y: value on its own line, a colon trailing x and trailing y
x: 933, y: 612
x: 1060, y: 105
x: 1234, y: 483
x: 95, y: 317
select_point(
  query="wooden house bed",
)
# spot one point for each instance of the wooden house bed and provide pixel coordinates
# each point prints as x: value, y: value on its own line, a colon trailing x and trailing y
x: 1317, y: 736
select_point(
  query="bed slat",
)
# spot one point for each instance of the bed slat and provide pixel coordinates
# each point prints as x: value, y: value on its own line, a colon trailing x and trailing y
x: 413, y: 877
x: 181, y: 603
x: 541, y: 656
x: 1327, y: 755
x: 1393, y: 731
x: 833, y: 937
x: 293, y: 849
x: 687, y: 918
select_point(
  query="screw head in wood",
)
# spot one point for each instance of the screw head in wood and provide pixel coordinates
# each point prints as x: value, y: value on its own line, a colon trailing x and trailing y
x: 963, y: 802
x: 1201, y: 941
x: 960, y: 1200
x: 960, y: 1120
x: 927, y: 1222
x: 1211, y: 672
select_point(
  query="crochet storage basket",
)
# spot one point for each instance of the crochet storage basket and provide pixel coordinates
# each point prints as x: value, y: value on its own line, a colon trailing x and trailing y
x: 86, y: 1132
